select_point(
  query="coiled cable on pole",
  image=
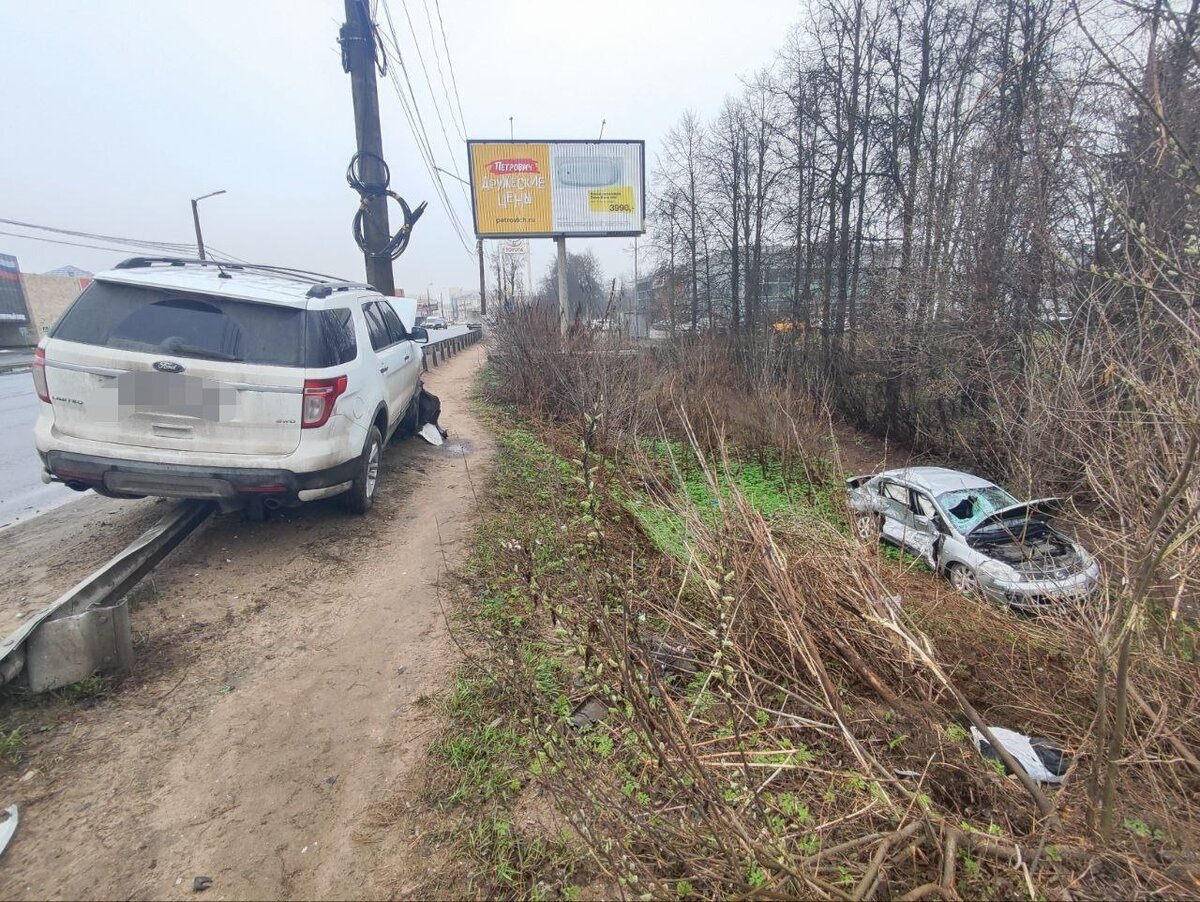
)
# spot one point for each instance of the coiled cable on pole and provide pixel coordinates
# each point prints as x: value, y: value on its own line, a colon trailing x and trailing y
x: 398, y: 243
x: 367, y: 191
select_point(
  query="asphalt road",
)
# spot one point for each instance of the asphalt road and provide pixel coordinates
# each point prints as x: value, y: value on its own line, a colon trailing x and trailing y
x: 450, y: 332
x: 22, y: 492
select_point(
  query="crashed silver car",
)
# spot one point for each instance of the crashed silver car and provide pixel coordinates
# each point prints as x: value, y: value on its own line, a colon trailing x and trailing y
x: 976, y: 534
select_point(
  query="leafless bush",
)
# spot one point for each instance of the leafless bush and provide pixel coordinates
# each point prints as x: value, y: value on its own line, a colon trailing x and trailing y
x: 565, y: 377
x: 775, y: 724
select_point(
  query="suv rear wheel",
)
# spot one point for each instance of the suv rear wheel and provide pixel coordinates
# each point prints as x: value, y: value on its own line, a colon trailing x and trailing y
x: 361, y: 495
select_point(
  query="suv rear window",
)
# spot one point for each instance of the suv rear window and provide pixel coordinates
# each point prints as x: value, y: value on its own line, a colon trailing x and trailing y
x: 206, y: 327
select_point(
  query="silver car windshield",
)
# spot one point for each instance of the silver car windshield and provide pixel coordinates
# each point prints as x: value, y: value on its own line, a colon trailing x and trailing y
x: 966, y: 507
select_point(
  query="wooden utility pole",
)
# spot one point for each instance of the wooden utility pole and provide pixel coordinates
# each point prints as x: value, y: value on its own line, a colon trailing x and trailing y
x: 359, y: 59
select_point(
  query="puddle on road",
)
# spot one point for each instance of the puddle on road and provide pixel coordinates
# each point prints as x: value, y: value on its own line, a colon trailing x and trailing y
x: 450, y: 448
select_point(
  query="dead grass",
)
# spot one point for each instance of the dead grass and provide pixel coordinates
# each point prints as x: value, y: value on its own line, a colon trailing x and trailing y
x: 773, y: 726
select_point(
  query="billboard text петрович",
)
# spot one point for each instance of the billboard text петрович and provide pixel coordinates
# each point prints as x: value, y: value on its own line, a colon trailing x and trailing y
x: 557, y: 188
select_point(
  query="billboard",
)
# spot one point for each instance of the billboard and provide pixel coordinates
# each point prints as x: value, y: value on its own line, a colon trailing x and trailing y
x: 547, y: 189
x: 13, y: 308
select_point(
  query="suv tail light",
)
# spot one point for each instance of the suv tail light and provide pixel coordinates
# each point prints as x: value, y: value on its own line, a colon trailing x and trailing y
x: 39, y: 375
x: 319, y: 397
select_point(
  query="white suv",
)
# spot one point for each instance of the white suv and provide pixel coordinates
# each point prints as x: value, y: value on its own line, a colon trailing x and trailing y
x: 250, y: 385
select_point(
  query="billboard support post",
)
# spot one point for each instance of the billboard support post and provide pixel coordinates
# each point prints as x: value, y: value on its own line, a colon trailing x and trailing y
x: 564, y: 303
x: 482, y: 280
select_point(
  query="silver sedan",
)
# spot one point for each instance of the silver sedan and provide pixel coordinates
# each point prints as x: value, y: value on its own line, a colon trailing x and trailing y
x: 980, y: 537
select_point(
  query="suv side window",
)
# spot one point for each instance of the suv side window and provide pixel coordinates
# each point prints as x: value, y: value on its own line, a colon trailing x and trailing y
x: 391, y: 319
x: 329, y: 338
x: 376, y: 326
x: 895, y: 500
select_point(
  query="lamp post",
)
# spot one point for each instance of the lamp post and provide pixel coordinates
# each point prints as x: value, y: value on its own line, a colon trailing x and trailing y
x: 196, y: 219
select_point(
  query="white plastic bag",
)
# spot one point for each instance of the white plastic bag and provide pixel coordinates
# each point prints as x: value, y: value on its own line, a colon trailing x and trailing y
x: 1040, y: 758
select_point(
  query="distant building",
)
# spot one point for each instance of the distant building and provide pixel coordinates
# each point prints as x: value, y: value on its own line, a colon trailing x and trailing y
x: 70, y: 272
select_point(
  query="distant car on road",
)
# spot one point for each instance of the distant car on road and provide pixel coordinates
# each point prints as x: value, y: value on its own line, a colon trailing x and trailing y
x: 435, y: 322
x: 252, y: 386
x: 975, y: 533
x: 474, y: 324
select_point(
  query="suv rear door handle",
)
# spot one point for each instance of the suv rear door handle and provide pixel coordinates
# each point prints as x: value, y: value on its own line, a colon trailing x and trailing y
x: 383, y: 369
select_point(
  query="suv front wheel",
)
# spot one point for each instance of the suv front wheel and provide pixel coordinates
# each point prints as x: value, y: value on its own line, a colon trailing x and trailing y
x: 361, y: 495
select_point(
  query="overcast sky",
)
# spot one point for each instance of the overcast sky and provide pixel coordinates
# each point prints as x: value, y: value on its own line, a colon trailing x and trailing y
x: 117, y: 112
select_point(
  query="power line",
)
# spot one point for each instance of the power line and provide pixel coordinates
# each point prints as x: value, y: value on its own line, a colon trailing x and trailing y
x: 427, y: 158
x: 450, y: 61
x: 437, y: 58
x: 97, y: 237
x: 133, y: 247
x: 172, y: 248
x: 213, y: 251
x: 412, y: 112
x: 428, y: 81
x: 117, y: 250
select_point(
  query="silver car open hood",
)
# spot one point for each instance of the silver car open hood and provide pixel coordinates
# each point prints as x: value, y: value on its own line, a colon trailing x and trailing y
x: 1025, y: 510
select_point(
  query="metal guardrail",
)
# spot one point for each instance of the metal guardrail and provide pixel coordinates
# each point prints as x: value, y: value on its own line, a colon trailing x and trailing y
x: 87, y: 628
x: 447, y: 347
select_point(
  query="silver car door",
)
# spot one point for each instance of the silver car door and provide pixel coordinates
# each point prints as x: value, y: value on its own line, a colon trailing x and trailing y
x: 894, y: 498
x: 920, y: 527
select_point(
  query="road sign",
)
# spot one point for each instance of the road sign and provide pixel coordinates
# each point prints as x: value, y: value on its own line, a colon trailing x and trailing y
x: 558, y: 189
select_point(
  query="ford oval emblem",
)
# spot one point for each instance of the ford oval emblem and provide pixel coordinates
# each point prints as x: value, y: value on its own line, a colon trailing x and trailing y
x: 168, y: 366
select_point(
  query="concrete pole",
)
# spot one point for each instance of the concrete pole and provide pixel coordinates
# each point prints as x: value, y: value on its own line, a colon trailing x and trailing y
x: 482, y: 281
x: 199, y: 235
x: 564, y: 304
x: 359, y: 53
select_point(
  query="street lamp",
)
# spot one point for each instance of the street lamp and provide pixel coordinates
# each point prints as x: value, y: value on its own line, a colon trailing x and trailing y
x: 196, y: 219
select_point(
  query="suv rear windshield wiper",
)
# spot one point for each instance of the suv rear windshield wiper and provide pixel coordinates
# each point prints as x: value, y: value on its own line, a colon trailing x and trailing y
x: 207, y: 353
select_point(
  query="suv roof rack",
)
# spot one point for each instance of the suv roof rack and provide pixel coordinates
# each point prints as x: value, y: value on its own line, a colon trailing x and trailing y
x: 320, y: 279
x: 325, y: 289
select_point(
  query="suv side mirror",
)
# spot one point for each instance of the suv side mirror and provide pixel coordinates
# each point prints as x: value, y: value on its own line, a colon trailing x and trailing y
x: 418, y: 334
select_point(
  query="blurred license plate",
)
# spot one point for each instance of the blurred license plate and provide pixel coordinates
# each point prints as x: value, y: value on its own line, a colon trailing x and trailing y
x: 175, y: 393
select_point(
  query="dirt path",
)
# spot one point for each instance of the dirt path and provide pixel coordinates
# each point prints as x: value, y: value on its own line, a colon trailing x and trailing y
x: 277, y: 698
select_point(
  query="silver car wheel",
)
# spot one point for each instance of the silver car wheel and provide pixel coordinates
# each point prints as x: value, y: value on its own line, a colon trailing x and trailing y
x: 963, y: 579
x: 372, y: 470
x: 867, y: 527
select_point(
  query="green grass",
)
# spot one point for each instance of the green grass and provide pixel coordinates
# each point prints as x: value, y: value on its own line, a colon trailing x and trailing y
x: 11, y: 745
x: 487, y: 752
x: 775, y: 491
x: 91, y: 687
x: 486, y: 759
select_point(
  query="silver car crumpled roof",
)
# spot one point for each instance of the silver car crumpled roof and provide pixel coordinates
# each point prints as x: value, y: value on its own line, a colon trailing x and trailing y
x: 937, y: 480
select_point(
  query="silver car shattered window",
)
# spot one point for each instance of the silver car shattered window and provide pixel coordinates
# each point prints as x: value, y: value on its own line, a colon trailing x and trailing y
x: 966, y: 507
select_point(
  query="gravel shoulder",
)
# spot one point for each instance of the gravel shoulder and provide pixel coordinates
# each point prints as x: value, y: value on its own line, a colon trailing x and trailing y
x: 279, y: 694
